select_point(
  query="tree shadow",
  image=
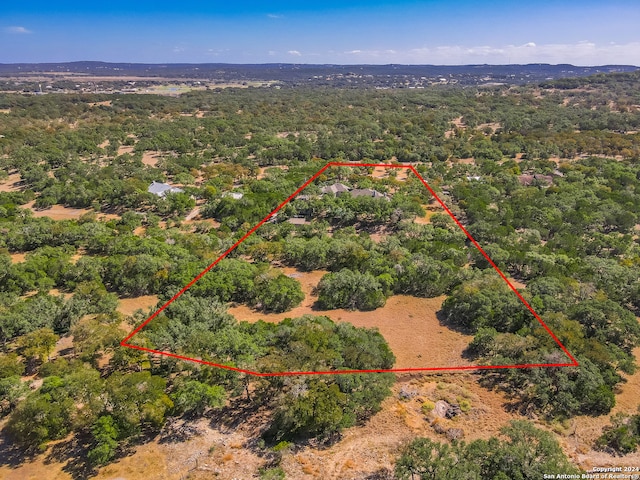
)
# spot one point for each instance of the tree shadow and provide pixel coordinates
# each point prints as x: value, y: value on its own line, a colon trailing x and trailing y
x: 70, y: 452
x: 12, y: 455
x: 467, y: 353
x: 179, y: 430
x: 229, y: 418
x: 494, y: 381
x: 316, y: 307
x: 383, y: 473
x: 73, y: 453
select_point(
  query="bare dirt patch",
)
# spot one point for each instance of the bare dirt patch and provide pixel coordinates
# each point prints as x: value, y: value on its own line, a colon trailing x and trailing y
x: 409, y: 324
x: 38, y: 469
x: 401, y: 174
x: 58, y: 212
x: 262, y: 172
x: 151, y: 158
x: 519, y: 285
x: 57, y: 293
x: 193, y: 214
x: 122, y: 149
x: 64, y: 346
x: 430, y: 210
x: 458, y: 123
x: 286, y: 134
x: 140, y: 231
x: 18, y: 257
x: 214, y: 452
x: 128, y: 306
x: 413, y: 331
x: 494, y: 126
x: 380, y: 172
x: 466, y: 161
x: 107, y: 216
x: 106, y: 103
x: 11, y: 183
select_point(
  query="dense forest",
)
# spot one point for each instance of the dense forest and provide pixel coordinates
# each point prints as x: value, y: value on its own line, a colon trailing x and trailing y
x: 545, y: 177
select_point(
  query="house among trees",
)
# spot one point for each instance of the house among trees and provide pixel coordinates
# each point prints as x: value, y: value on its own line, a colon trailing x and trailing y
x: 161, y: 189
x: 535, y: 179
x: 335, y: 189
x: 298, y: 221
x: 367, y: 192
x: 340, y: 188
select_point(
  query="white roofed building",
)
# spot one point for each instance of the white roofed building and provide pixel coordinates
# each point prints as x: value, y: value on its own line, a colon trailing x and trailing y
x: 161, y: 189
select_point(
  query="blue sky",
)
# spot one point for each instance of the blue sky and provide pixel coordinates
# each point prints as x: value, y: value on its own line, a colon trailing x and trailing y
x: 439, y: 32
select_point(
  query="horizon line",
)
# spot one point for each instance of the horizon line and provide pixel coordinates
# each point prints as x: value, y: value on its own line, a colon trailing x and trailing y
x: 66, y: 62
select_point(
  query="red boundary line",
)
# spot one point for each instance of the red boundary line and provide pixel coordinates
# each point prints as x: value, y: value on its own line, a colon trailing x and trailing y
x: 574, y: 362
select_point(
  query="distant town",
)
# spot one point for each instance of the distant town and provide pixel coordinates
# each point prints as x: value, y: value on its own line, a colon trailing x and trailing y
x: 174, y: 79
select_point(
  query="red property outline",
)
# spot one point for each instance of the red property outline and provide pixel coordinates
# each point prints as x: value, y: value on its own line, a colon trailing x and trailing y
x: 573, y: 363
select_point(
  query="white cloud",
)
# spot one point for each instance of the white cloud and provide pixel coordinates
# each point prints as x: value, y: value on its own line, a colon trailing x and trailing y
x: 274, y: 16
x: 579, y: 53
x: 214, y: 51
x: 272, y: 53
x: 17, y: 30
x: 295, y: 53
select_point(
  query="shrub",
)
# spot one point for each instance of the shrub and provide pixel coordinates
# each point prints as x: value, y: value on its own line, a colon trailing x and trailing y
x: 427, y: 407
x: 622, y: 436
x: 274, y: 473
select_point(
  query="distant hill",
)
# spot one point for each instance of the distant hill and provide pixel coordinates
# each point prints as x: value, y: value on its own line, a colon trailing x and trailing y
x: 382, y: 76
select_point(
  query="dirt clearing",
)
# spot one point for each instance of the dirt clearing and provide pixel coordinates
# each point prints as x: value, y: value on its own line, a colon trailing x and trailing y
x: 11, y: 183
x: 150, y: 158
x: 58, y: 212
x: 409, y: 324
x: 18, y: 257
x: 430, y: 210
x: 128, y: 306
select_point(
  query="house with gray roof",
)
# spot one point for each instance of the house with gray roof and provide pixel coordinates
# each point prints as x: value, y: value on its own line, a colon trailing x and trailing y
x: 335, y: 189
x: 161, y: 189
x: 367, y: 192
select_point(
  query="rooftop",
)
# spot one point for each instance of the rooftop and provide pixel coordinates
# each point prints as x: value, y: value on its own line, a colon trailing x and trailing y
x: 161, y: 189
